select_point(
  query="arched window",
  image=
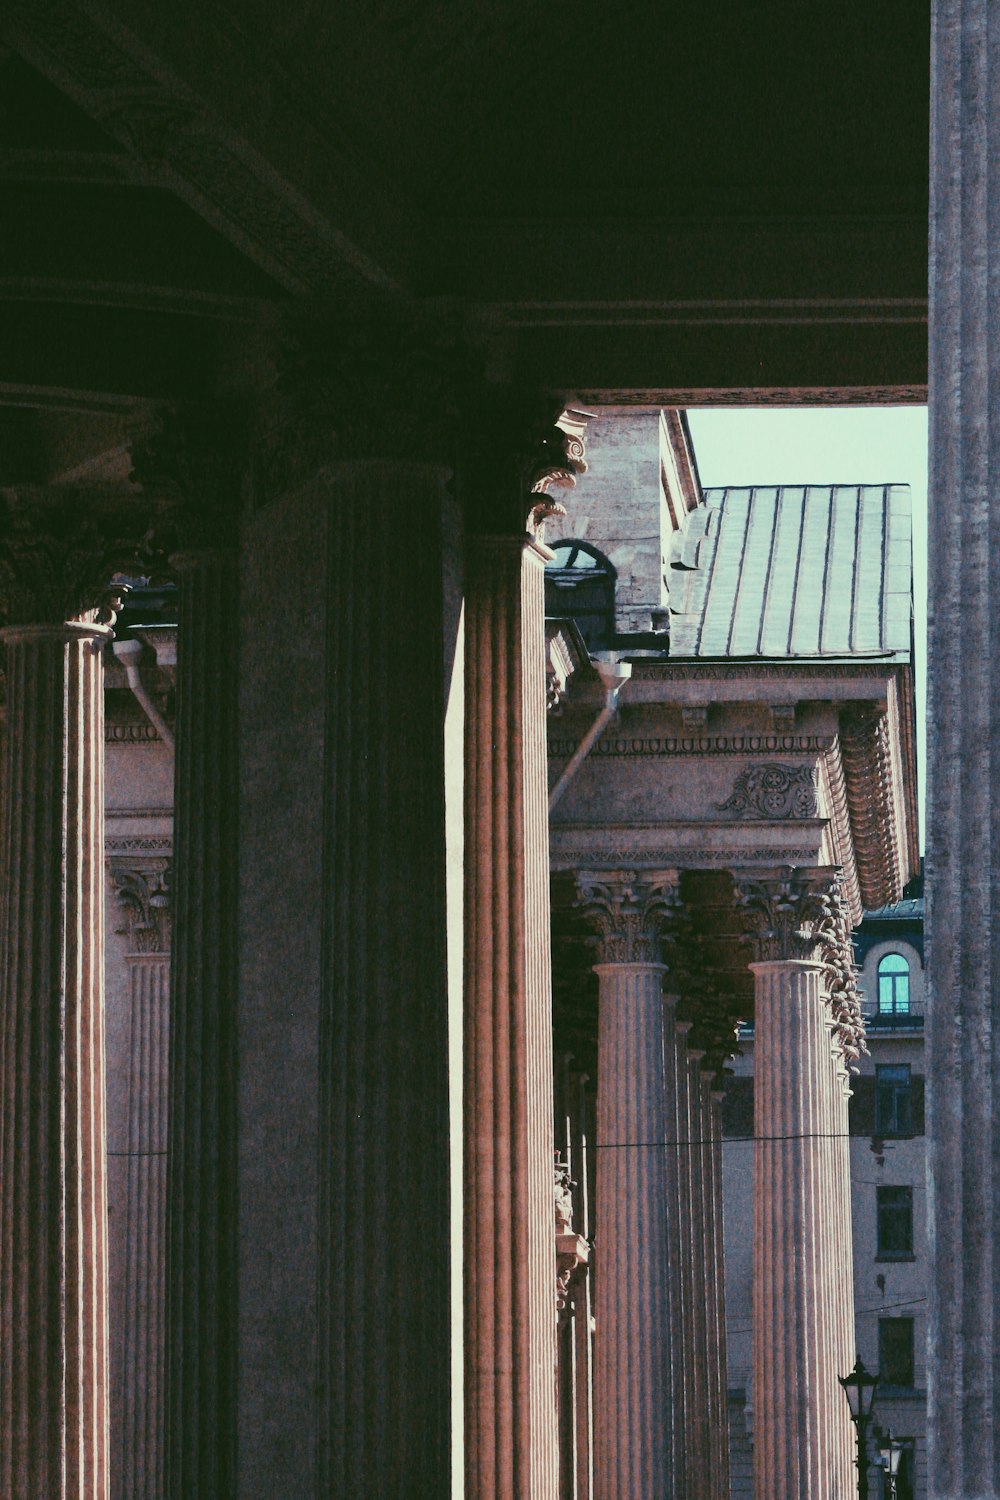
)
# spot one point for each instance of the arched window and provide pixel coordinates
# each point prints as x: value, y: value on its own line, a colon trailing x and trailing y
x: 893, y: 985
x: 580, y: 582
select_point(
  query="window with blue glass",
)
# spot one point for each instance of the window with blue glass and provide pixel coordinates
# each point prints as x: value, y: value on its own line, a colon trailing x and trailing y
x: 893, y: 985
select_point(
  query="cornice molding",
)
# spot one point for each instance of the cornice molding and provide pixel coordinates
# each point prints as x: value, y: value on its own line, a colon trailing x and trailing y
x: 865, y: 745
x: 638, y: 746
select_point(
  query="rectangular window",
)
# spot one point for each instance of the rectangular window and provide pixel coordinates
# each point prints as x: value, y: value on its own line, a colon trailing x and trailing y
x: 893, y: 1115
x: 895, y: 1351
x: 895, y: 1222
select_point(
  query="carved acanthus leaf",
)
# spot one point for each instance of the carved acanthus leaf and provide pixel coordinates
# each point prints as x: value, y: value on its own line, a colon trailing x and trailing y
x: 630, y: 914
x: 143, y: 888
x: 65, y: 557
x: 192, y: 466
x: 786, y: 917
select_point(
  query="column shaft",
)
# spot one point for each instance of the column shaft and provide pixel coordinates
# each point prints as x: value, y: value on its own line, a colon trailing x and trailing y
x: 677, y: 1157
x: 510, y: 1321
x: 145, y: 1248
x: 963, y: 896
x: 720, y: 1473
x: 53, y: 1205
x: 799, y: 1425
x: 391, y: 995
x: 633, y: 1339
x: 698, y: 1431
x: 201, y: 1206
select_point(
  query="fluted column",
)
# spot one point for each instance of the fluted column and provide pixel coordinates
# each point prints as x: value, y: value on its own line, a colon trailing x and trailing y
x: 963, y: 717
x: 800, y: 1418
x: 793, y: 1368
x: 698, y: 1433
x: 678, y: 1266
x: 511, y: 1449
x: 143, y: 889
x: 717, y: 1334
x: 56, y: 563
x: 510, y: 1304
x: 634, y: 1339
x: 201, y: 1300
x: 391, y: 992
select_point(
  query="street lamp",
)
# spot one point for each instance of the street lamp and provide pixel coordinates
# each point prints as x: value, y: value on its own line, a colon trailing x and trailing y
x: 859, y: 1388
x: 891, y: 1452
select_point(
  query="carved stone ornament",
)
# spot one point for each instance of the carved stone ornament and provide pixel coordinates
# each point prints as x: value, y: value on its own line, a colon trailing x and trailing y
x: 787, y: 917
x: 392, y: 388
x: 630, y: 914
x: 144, y: 897
x: 572, y: 1250
x: 192, y: 467
x: 837, y: 953
x: 773, y: 792
x: 66, y: 556
x: 867, y: 755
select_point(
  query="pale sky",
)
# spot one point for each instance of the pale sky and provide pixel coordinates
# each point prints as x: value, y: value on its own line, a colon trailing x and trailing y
x: 824, y: 445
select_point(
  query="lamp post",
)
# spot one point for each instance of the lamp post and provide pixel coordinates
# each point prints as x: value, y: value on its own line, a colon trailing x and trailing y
x: 891, y: 1452
x: 859, y: 1388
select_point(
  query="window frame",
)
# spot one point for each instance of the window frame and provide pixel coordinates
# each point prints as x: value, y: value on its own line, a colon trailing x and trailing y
x: 896, y: 1127
x: 885, y: 1212
x: 897, y: 981
x: 897, y: 1323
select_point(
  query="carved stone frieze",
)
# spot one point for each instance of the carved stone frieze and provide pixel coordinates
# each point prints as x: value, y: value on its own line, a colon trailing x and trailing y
x: 144, y: 897
x: 773, y: 792
x: 630, y: 913
x: 64, y: 556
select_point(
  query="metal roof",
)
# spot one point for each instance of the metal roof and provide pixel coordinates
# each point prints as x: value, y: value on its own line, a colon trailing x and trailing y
x: 793, y: 571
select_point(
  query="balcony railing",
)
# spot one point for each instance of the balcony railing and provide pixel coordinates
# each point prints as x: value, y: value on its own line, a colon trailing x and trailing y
x: 880, y: 1021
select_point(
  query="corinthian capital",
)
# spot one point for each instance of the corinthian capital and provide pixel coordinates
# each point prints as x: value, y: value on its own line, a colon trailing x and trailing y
x: 144, y: 896
x: 837, y: 954
x: 192, y: 465
x: 531, y: 446
x: 629, y: 913
x: 62, y: 554
x: 788, y: 916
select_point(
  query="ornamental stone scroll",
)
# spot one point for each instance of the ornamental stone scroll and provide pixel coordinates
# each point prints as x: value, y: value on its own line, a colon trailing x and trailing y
x: 773, y: 791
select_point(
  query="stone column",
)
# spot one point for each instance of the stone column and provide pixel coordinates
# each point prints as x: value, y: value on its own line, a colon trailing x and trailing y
x: 54, y: 567
x: 717, y: 1349
x: 510, y: 1315
x: 201, y: 1297
x: 963, y: 808
x: 635, y: 1341
x: 800, y: 1417
x: 143, y: 890
x: 391, y: 987
x: 698, y: 1431
x: 678, y: 1265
